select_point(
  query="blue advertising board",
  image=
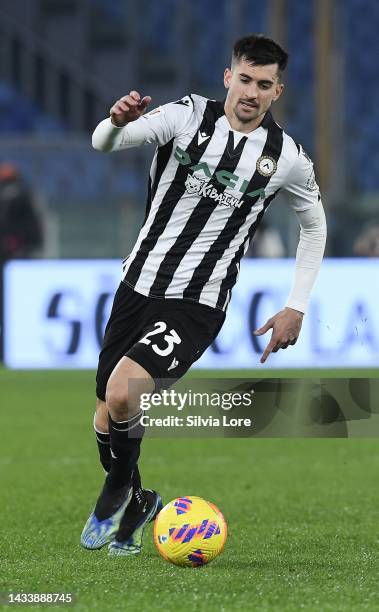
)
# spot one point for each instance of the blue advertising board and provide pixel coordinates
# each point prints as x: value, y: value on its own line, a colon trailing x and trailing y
x: 55, y: 312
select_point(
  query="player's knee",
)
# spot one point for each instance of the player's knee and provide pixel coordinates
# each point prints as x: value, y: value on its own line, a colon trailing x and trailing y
x: 117, y: 402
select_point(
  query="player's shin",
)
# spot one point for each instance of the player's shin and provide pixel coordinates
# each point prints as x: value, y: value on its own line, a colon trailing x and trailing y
x: 125, y: 441
x: 104, y: 447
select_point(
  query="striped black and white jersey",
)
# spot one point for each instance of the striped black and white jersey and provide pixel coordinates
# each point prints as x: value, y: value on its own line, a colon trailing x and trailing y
x: 209, y: 187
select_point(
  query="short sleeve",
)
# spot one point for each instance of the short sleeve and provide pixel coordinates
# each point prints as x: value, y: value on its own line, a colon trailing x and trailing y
x: 301, y: 185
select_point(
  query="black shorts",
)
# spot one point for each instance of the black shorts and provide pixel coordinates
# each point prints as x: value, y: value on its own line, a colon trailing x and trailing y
x: 165, y: 336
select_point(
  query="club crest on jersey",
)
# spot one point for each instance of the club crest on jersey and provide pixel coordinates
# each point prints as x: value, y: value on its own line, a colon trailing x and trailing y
x: 205, y: 189
x: 266, y: 166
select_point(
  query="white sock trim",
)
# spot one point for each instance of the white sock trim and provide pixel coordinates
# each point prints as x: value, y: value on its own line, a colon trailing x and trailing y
x: 98, y: 430
x: 133, y: 424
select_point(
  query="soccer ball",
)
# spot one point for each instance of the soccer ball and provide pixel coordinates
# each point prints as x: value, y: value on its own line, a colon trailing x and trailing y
x: 190, y: 531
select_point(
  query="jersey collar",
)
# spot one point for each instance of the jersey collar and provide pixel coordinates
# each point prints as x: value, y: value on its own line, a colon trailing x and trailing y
x: 268, y: 120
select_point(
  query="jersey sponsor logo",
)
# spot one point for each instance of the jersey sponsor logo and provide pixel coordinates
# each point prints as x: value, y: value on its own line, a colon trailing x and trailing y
x: 228, y: 179
x: 205, y: 189
x: 266, y: 165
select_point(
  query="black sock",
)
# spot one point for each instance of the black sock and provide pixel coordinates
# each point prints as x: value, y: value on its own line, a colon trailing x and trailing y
x: 125, y: 442
x: 109, y: 502
x: 137, y: 485
x: 104, y: 446
x: 138, y: 492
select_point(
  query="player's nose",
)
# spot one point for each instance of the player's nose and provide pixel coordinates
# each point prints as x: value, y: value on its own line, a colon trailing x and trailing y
x: 252, y: 92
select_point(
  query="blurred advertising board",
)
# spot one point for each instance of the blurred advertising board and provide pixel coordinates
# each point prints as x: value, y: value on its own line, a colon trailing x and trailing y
x: 55, y: 312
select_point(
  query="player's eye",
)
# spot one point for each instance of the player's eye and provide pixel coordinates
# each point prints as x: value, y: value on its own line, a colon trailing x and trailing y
x: 244, y: 80
x: 264, y: 85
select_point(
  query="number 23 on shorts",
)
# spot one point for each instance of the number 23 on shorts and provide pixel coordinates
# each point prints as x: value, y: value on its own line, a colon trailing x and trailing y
x: 166, y: 344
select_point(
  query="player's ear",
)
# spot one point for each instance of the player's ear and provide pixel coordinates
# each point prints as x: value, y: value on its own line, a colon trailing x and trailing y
x: 278, y: 91
x: 227, y: 77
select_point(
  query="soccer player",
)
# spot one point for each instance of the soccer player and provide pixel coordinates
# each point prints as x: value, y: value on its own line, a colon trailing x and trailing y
x: 217, y: 166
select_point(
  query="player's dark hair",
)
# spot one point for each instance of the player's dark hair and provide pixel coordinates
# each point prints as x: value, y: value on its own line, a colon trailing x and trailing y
x: 259, y: 50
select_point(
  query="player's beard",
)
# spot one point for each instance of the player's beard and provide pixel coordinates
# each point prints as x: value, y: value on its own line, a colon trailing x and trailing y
x: 244, y: 118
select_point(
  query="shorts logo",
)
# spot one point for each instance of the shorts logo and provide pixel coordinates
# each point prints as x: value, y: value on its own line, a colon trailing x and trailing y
x: 174, y: 364
x: 266, y: 165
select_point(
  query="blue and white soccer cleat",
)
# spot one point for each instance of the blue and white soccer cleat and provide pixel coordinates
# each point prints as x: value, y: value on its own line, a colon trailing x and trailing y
x: 128, y: 540
x: 97, y: 533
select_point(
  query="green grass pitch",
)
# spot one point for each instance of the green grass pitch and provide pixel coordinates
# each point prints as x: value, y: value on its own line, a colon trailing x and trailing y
x: 303, y: 514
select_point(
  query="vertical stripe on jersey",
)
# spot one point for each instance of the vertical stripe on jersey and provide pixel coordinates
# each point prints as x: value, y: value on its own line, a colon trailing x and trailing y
x: 201, y: 275
x: 197, y: 220
x: 148, y: 199
x: 162, y: 156
x: 213, y: 111
x: 233, y: 268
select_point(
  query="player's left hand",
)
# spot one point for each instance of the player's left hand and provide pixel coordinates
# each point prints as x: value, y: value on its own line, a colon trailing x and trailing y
x: 286, y: 326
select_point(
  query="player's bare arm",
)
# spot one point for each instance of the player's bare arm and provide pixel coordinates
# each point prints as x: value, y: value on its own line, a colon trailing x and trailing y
x: 128, y: 108
x: 286, y: 326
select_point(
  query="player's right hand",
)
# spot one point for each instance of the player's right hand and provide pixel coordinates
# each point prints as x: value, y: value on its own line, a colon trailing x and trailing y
x: 128, y: 108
